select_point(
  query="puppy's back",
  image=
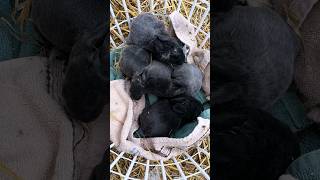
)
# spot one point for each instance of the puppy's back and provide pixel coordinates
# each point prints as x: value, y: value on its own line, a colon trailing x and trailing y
x: 261, y: 48
x: 258, y: 143
x: 61, y: 22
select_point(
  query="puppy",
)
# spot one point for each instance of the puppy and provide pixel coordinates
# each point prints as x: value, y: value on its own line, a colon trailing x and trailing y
x: 62, y: 22
x: 133, y: 60
x: 149, y: 32
x: 154, y: 79
x: 187, y: 79
x: 77, y: 29
x: 167, y: 115
x: 253, y: 56
x: 85, y: 85
x: 250, y: 144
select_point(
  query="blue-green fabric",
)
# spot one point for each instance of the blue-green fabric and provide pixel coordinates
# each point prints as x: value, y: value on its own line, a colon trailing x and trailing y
x: 185, y: 130
x: 289, y: 110
x: 306, y: 167
x: 10, y: 46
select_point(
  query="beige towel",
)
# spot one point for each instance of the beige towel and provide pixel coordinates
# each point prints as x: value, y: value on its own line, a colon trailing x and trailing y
x: 124, y: 122
x: 184, y: 31
x: 37, y: 140
x: 303, y: 16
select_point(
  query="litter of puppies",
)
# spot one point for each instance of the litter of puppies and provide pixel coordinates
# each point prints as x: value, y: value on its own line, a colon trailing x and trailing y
x: 155, y: 63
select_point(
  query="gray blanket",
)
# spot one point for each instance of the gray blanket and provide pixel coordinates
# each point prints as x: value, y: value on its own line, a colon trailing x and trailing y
x: 37, y: 140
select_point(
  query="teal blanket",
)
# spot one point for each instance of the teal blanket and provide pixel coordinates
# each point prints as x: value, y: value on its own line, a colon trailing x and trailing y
x: 12, y: 45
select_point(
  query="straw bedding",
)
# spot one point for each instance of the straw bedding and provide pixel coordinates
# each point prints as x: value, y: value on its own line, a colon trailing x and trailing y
x: 138, y: 170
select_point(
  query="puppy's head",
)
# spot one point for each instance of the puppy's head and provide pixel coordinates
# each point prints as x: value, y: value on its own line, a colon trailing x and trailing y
x: 187, y: 106
x: 137, y: 87
x: 167, y: 50
x: 85, y: 85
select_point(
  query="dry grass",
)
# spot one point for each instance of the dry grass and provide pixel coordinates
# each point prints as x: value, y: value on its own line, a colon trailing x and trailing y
x: 158, y: 8
x: 138, y: 170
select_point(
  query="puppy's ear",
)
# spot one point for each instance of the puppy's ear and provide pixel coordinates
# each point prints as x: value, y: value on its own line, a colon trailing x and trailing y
x: 226, y: 92
x: 85, y: 85
x: 163, y: 37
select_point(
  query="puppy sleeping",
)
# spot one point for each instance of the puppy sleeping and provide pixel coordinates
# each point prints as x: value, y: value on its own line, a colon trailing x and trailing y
x: 133, y: 60
x: 253, y: 56
x: 85, y: 84
x: 167, y: 115
x: 250, y: 144
x: 186, y: 79
x: 149, y: 32
x: 154, y: 79
x: 77, y: 29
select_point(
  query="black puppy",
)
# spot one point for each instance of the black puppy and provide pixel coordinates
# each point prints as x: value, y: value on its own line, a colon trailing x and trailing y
x: 133, y: 60
x: 77, y: 29
x: 85, y: 85
x: 253, y: 57
x: 186, y: 79
x: 62, y: 22
x: 250, y: 144
x: 149, y: 32
x: 154, y: 79
x: 166, y: 115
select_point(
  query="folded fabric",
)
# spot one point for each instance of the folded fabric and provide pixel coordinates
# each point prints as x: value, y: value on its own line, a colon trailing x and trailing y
x: 124, y: 123
x: 185, y: 32
x: 303, y: 16
x: 287, y: 177
x: 290, y: 111
x: 306, y: 167
x: 38, y: 140
x: 307, y: 75
x: 295, y: 12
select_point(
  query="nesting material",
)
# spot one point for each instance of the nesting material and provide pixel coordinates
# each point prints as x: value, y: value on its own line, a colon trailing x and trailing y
x: 124, y: 122
x: 184, y: 31
x: 189, y: 169
x: 171, y: 169
x: 159, y: 9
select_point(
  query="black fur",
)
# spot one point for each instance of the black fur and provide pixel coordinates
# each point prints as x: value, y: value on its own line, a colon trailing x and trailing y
x: 133, y: 60
x: 167, y: 115
x: 250, y: 144
x: 62, y: 22
x: 78, y: 28
x: 149, y: 32
x: 253, y: 57
x: 85, y: 84
x: 154, y: 79
x: 186, y: 79
x: 224, y: 5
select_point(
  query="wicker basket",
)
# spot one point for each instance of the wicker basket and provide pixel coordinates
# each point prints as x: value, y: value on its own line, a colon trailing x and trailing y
x: 195, y: 162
